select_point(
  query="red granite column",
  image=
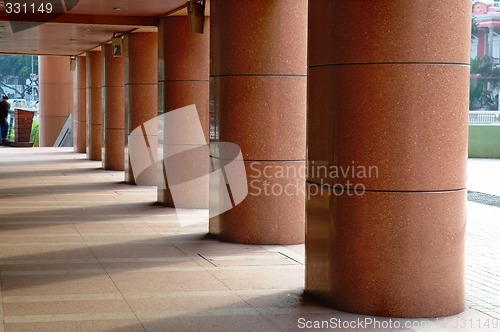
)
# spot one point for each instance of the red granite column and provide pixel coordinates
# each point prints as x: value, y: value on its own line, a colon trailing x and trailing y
x: 183, y: 79
x: 113, y: 107
x: 94, y: 105
x: 56, y: 97
x: 141, y: 97
x: 80, y: 105
x: 258, y: 76
x: 387, y: 150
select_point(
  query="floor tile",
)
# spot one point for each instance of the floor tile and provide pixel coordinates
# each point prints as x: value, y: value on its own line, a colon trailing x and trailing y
x: 80, y: 250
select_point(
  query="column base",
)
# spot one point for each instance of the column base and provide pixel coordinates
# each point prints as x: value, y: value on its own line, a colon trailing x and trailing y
x: 392, y: 254
x: 273, y: 211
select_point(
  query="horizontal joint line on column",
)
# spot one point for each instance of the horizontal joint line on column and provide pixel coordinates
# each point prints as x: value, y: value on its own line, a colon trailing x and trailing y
x: 389, y: 191
x: 388, y: 63
x: 113, y: 86
x: 268, y: 160
x: 166, y: 81
x: 139, y: 84
x: 259, y: 75
x: 416, y: 191
x: 56, y: 83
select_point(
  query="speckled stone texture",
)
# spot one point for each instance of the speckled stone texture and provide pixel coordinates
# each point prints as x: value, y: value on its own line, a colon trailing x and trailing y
x: 183, y: 79
x: 56, y: 97
x: 80, y: 105
x: 113, y: 107
x: 268, y: 194
x: 264, y: 115
x: 141, y: 92
x: 258, y: 53
x: 387, y: 111
x: 372, y: 113
x: 397, y: 254
x: 94, y: 105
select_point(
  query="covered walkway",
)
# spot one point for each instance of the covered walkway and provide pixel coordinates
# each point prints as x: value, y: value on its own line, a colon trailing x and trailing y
x: 82, y: 251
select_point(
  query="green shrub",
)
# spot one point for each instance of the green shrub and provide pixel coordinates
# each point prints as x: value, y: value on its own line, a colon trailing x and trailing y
x: 11, y: 135
x: 35, y: 136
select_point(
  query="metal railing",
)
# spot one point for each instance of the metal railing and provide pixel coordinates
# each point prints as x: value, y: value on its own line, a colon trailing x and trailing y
x: 484, y: 117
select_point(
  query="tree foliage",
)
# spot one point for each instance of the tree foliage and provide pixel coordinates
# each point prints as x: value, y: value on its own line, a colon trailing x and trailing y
x: 484, y: 79
x: 474, y: 31
x: 17, y: 67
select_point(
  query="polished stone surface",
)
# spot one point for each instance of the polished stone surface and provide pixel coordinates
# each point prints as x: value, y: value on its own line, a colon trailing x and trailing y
x: 178, y: 94
x: 141, y: 92
x: 94, y: 105
x: 80, y: 136
x: 183, y: 56
x: 94, y: 146
x: 183, y: 170
x: 264, y: 115
x: 260, y: 37
x: 113, y: 158
x: 389, y: 31
x: 183, y: 80
x: 412, y: 244
x: 387, y: 114
x: 258, y: 66
x: 363, y: 117
x: 273, y: 211
x: 141, y: 57
x: 113, y: 107
x: 56, y: 97
x: 80, y: 105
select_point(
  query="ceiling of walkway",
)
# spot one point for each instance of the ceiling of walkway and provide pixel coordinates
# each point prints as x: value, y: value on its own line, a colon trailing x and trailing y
x: 75, y: 26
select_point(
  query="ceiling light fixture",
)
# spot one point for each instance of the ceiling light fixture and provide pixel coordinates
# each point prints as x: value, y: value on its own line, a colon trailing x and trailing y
x: 119, y: 8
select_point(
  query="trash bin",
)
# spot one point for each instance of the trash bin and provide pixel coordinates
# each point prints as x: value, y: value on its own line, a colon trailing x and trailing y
x: 22, y: 128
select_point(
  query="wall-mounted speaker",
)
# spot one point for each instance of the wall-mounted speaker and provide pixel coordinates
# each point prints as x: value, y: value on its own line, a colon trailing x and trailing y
x: 196, y: 14
x: 72, y: 64
x: 117, y: 46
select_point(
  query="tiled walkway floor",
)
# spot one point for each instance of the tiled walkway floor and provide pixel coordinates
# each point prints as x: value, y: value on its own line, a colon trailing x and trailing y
x: 483, y: 238
x: 81, y: 251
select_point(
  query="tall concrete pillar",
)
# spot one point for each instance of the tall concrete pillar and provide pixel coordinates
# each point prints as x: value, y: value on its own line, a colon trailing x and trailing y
x: 183, y: 79
x: 113, y: 108
x: 387, y: 151
x: 94, y: 105
x: 56, y: 97
x: 80, y: 105
x: 141, y: 99
x: 258, y: 54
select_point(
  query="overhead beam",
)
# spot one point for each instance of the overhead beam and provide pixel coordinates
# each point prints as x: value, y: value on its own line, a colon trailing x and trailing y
x: 82, y: 19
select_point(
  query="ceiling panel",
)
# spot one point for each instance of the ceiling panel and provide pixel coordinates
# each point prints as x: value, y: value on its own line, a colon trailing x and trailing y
x: 130, y: 8
x: 88, y: 24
